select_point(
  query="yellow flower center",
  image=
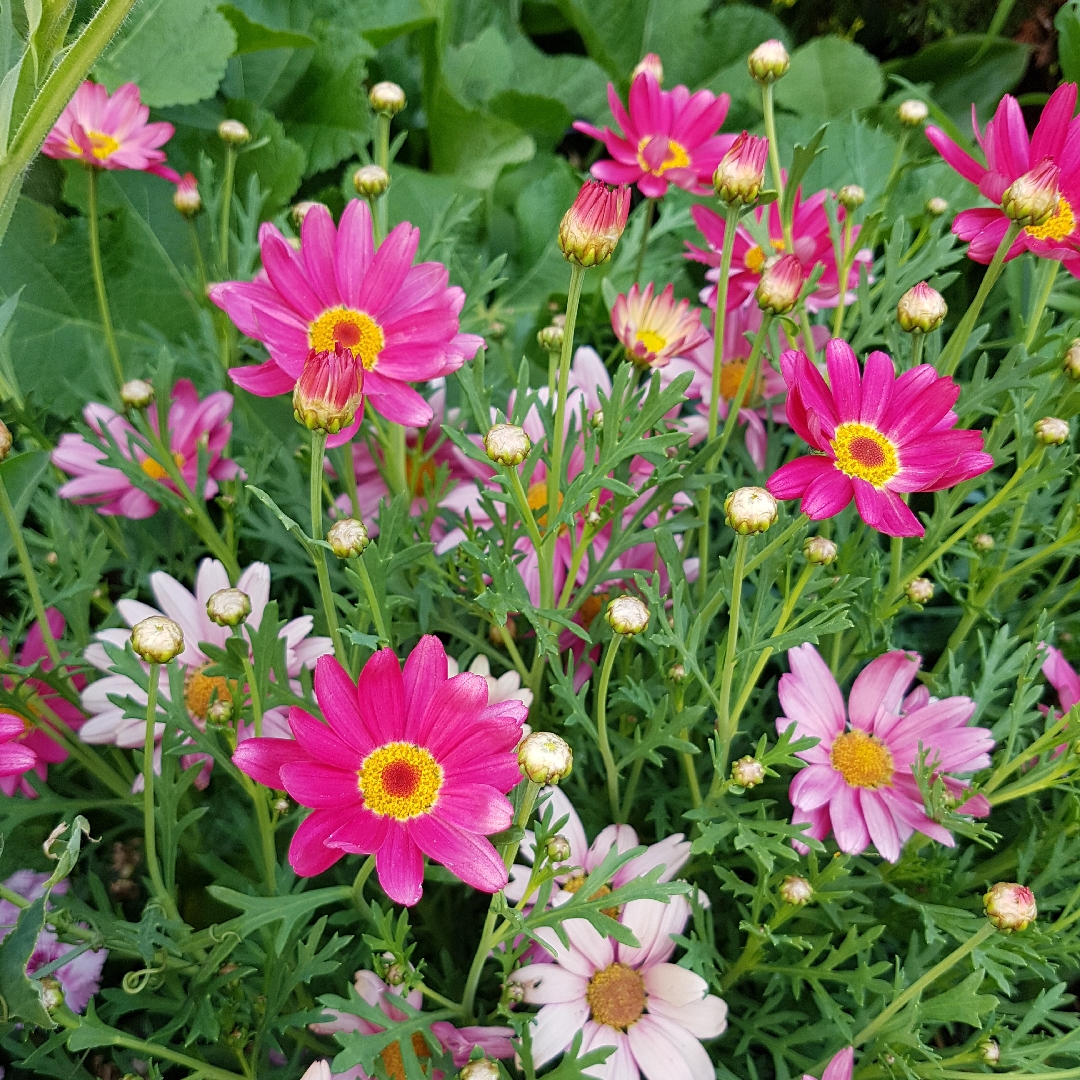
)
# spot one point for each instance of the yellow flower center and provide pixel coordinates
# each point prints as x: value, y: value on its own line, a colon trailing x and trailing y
x: 755, y: 258
x: 200, y: 691
x: 616, y: 997
x: 651, y: 340
x: 537, y: 497
x: 1058, y: 225
x: 400, y: 780
x: 731, y: 376
x: 863, y: 760
x: 353, y: 330
x: 156, y: 471
x: 864, y: 452
x: 101, y: 144
x: 676, y: 157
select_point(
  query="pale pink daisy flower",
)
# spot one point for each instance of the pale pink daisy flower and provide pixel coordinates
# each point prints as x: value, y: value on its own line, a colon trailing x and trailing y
x: 655, y: 329
x: 399, y: 320
x: 858, y: 782
x: 110, y: 132
x: 507, y: 687
x: 193, y: 425
x: 653, y: 1012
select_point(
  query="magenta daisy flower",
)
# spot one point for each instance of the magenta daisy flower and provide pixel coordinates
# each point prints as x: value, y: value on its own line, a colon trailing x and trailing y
x: 655, y: 329
x: 668, y: 136
x: 110, y: 132
x: 1063, y: 677
x: 409, y: 763
x: 840, y: 1067
x: 878, y: 436
x: 858, y: 782
x: 399, y: 320
x: 1009, y: 155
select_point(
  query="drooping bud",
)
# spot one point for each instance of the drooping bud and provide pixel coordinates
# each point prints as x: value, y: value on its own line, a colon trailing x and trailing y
x: 137, y: 394
x: 507, y: 444
x: 545, y: 758
x: 5, y: 440
x: 796, y: 890
x: 982, y: 543
x: 1071, y: 363
x: 1051, y: 431
x: 233, y: 133
x: 371, y: 181
x: 387, y: 98
x: 348, y: 538
x: 768, y: 62
x: 1010, y: 907
x: 819, y: 550
x: 228, y: 607
x: 741, y: 172
x: 676, y: 673
x: 157, y: 639
x: 851, y: 196
x: 558, y: 849
x: 990, y: 1051
x: 329, y: 391
x: 747, y: 772
x: 937, y: 206
x: 591, y: 228
x: 481, y: 1069
x: 919, y: 590
x: 551, y: 338
x: 651, y: 63
x: 750, y: 510
x: 186, y: 197
x: 781, y: 282
x: 627, y: 615
x: 912, y: 112
x: 1033, y: 197
x: 921, y: 309
x: 300, y: 211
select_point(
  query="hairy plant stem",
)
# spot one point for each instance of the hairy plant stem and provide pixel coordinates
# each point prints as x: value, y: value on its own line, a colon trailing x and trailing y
x: 99, y: 276
x: 725, y: 730
x: 225, y: 220
x: 149, y: 826
x: 318, y: 553
x: 650, y: 213
x: 348, y: 478
x: 544, y: 568
x: 601, y: 727
x: 1048, y: 273
x: 950, y: 356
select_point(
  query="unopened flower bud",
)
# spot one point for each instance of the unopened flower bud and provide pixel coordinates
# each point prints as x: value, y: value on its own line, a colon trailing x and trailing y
x: 651, y: 63
x: 480, y: 1069
x: 741, y: 172
x: 545, y: 758
x: 596, y: 421
x: 937, y: 206
x: 371, y: 181
x: 851, y: 196
x: 329, y: 391
x: 228, y: 607
x: 507, y: 444
x: 348, y: 538
x: 627, y: 615
x: 768, y: 62
x: 387, y: 98
x: 515, y: 994
x: 750, y: 510
x: 922, y: 308
x: 550, y: 338
x: 233, y: 133
x: 989, y: 1051
x: 919, y: 590
x: 796, y: 890
x: 281, y: 806
x: 1010, y: 906
x: 819, y: 550
x: 157, y: 639
x: 137, y: 394
x: 395, y: 974
x: 591, y: 228
x: 593, y: 519
x: 1051, y: 431
x: 1071, y: 363
x: 52, y: 993
x: 1032, y: 198
x: 982, y: 543
x: 52, y: 559
x: 912, y: 112
x: 300, y: 210
x: 186, y: 197
x: 5, y: 440
x: 747, y: 772
x: 781, y: 282
x: 220, y: 711
x: 558, y: 849
x: 676, y: 673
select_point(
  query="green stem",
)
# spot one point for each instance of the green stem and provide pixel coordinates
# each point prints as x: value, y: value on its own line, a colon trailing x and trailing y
x: 361, y: 880
x: 149, y: 826
x: 266, y: 837
x: 601, y: 727
x: 318, y: 553
x: 373, y: 601
x: 382, y: 154
x: 724, y: 728
x: 690, y: 766
x: 13, y: 898
x: 397, y: 468
x: 846, y: 254
x: 749, y: 378
x: 950, y: 356
x: 1049, y: 271
x: 776, y: 542
x: 774, y: 156
x: 917, y: 340
x: 547, y: 585
x: 99, y: 277
x: 650, y: 211
x: 225, y: 221
x: 256, y: 701
x: 348, y: 474
x: 896, y: 563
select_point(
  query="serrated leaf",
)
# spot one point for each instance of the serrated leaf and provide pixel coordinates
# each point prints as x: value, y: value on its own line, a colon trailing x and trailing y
x: 20, y: 996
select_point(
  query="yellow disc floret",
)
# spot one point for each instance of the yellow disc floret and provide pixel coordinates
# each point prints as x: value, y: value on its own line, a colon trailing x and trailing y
x: 863, y: 452
x: 863, y: 760
x: 676, y: 157
x: 200, y: 692
x: 400, y: 780
x: 102, y: 145
x: 156, y: 471
x: 651, y: 340
x: 1058, y: 225
x: 616, y: 997
x: 353, y: 330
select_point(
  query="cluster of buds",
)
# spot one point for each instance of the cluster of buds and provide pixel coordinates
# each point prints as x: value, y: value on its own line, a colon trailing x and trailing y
x: 747, y: 772
x: 371, y: 181
x: 912, y: 112
x: 819, y: 550
x: 507, y: 444
x: 329, y: 391
x: 921, y: 309
x: 157, y: 639
x: 233, y: 133
x: 741, y: 172
x: 750, y: 510
x: 919, y: 590
x: 387, y: 98
x: 591, y: 228
x: 782, y: 279
x: 1051, y: 431
x: 544, y: 758
x: 348, y: 538
x: 228, y: 607
x: 186, y: 197
x: 627, y: 615
x: 768, y: 62
x: 137, y: 394
x: 1032, y: 198
x: 1010, y: 907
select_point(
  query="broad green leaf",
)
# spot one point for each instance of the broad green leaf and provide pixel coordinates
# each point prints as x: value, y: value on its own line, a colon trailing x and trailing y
x: 252, y: 36
x: 383, y: 20
x: 21, y: 996
x: 21, y: 475
x: 830, y: 77
x: 280, y: 164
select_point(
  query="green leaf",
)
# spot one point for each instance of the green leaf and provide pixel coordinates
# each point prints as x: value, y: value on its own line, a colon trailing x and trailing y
x: 21, y: 475
x: 20, y: 997
x: 254, y: 37
x: 1067, y: 24
x: 962, y: 1004
x: 829, y: 77
x: 176, y: 50
x: 262, y: 911
x: 383, y: 20
x: 279, y: 164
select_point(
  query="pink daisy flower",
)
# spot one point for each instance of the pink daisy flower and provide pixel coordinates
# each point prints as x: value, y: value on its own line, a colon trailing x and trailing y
x: 813, y: 245
x: 858, y: 782
x: 1009, y: 154
x: 1063, y: 677
x: 409, y: 763
x: 193, y: 424
x: 653, y: 1012
x: 654, y: 330
x: 399, y: 320
x: 24, y: 747
x: 840, y: 1067
x: 668, y: 136
x: 110, y: 132
x: 879, y: 436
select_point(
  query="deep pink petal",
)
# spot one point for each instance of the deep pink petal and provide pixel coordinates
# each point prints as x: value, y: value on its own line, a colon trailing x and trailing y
x: 381, y: 696
x: 262, y: 759
x: 400, y: 865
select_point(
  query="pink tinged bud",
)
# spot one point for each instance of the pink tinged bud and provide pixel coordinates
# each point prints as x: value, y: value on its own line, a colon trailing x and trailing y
x: 592, y: 226
x: 921, y: 309
x: 990, y: 1051
x: 768, y: 62
x: 1051, y: 431
x: 186, y: 197
x: 747, y: 772
x: 920, y: 590
x: 651, y: 63
x: 1033, y: 197
x: 741, y: 172
x: 796, y: 890
x: 781, y: 282
x: 1010, y: 907
x: 330, y: 390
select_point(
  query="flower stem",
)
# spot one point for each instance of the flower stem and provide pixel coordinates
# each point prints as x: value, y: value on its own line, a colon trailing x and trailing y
x: 397, y: 467
x: 846, y: 255
x: 1049, y: 271
x: 650, y: 211
x: 950, y: 356
x: 918, y: 338
x: 724, y: 726
x: 318, y: 553
x: 774, y: 155
x: 601, y: 727
x: 226, y: 209
x: 373, y: 601
x: 99, y: 277
x: 749, y: 378
x: 149, y: 827
x: 382, y: 154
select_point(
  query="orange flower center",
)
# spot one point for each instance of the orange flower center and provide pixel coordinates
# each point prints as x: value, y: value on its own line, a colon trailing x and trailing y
x: 863, y: 760
x: 156, y: 471
x: 353, y: 330
x: 616, y: 997
x: 101, y: 144
x: 400, y: 780
x: 863, y: 452
x: 392, y: 1058
x: 201, y: 690
x: 675, y: 158
x: 537, y: 497
x: 731, y: 375
x: 591, y: 608
x: 1058, y: 225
